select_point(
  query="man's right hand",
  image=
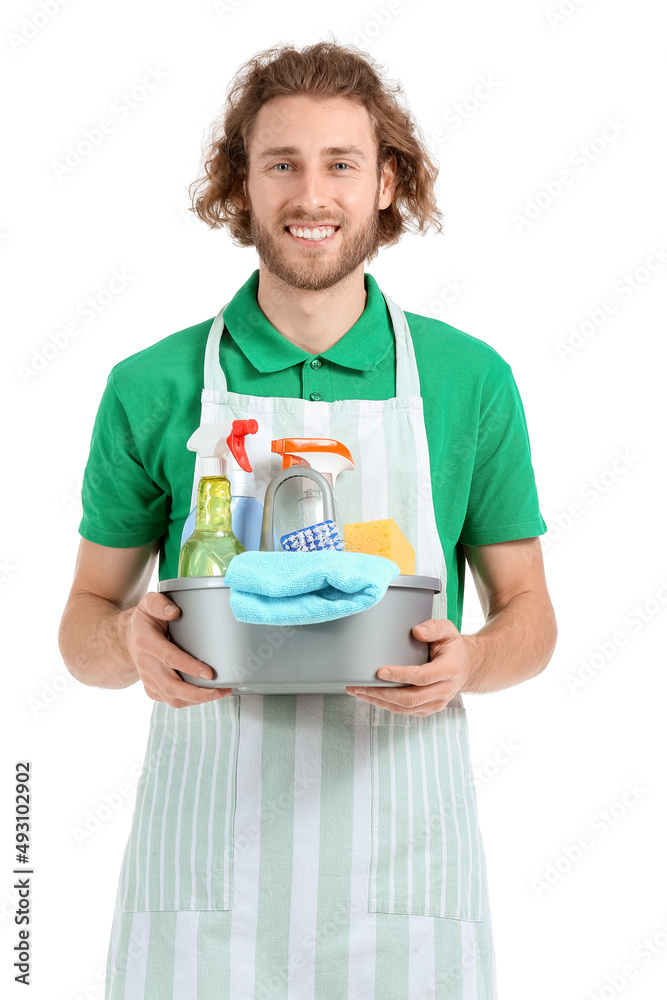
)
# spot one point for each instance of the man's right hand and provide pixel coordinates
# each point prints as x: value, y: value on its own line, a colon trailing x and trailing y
x: 157, y: 658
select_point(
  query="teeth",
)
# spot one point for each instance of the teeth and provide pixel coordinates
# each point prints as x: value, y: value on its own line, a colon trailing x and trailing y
x: 319, y: 233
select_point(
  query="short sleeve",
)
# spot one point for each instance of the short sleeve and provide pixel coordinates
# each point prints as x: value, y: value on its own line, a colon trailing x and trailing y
x: 502, y: 503
x: 122, y: 505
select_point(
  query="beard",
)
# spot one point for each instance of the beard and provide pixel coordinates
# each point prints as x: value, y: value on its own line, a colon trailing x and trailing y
x: 317, y: 270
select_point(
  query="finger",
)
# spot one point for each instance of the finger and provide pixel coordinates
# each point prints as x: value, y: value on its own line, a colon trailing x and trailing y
x: 207, y: 695
x: 158, y: 607
x: 417, y: 704
x: 178, y: 659
x: 417, y: 675
x: 154, y: 646
x: 423, y: 708
x: 422, y: 630
x: 407, y: 698
x: 435, y: 628
x: 161, y: 669
x: 192, y: 695
x: 395, y: 697
x: 174, y: 688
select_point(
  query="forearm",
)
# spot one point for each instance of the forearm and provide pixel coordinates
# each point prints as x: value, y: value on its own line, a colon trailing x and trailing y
x: 515, y: 644
x: 93, y: 642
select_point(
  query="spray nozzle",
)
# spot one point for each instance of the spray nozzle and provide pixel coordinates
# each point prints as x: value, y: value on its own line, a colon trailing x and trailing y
x: 325, y: 455
x: 236, y: 441
x: 216, y: 442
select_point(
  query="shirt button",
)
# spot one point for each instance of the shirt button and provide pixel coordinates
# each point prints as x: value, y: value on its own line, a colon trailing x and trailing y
x: 315, y: 396
x: 316, y: 363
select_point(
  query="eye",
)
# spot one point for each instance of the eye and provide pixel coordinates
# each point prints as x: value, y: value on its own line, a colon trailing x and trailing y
x: 280, y: 165
x: 346, y: 165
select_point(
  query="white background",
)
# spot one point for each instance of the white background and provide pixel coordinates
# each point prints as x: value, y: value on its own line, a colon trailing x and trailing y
x: 562, y: 927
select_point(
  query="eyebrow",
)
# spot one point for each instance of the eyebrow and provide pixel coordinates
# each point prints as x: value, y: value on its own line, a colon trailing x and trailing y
x: 326, y: 151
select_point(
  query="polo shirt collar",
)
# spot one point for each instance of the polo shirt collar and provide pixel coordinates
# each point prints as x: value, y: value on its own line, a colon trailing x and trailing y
x: 363, y: 347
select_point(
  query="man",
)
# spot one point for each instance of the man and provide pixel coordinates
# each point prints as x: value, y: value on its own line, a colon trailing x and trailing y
x: 312, y: 846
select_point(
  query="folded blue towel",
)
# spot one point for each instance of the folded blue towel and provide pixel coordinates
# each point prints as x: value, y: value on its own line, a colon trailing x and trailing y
x: 299, y: 588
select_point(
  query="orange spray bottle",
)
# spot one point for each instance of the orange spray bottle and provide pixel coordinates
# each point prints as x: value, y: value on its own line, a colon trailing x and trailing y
x: 325, y: 455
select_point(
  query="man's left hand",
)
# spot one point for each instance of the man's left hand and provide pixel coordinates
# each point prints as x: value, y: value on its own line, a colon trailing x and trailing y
x: 432, y: 685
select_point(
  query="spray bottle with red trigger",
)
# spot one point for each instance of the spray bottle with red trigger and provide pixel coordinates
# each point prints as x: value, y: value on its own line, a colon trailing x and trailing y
x: 326, y: 456
x: 246, y: 509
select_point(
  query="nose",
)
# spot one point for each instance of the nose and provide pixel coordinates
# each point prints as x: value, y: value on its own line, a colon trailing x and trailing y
x: 311, y: 193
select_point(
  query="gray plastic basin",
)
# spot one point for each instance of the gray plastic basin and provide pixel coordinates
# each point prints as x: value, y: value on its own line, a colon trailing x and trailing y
x: 322, y: 658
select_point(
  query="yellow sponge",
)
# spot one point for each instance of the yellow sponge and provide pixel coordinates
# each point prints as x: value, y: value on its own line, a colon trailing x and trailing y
x: 381, y: 538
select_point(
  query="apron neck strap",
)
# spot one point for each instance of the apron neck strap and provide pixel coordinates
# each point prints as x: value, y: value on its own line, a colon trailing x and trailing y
x: 214, y: 377
x: 407, y: 374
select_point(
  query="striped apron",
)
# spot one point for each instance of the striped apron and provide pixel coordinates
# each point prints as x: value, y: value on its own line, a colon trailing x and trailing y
x: 311, y: 847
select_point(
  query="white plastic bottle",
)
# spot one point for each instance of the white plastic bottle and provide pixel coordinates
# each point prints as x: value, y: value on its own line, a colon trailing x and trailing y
x: 327, y: 456
x: 246, y: 509
x: 212, y: 545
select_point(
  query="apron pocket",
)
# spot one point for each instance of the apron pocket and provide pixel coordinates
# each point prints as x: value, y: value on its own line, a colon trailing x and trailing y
x: 426, y: 850
x: 179, y: 855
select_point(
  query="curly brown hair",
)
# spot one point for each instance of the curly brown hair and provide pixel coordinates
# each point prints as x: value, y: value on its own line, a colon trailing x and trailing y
x: 323, y: 70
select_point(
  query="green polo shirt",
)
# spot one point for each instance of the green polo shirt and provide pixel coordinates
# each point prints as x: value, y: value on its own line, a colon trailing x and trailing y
x: 137, y: 482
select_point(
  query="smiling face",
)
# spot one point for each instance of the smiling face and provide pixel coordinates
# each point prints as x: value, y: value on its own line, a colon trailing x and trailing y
x: 312, y: 189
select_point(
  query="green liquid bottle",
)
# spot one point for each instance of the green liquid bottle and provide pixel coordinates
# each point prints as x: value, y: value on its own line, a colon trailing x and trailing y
x: 212, y: 545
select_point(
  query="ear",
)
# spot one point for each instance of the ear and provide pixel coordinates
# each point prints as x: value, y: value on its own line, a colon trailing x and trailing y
x: 387, y: 181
